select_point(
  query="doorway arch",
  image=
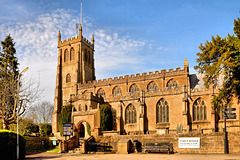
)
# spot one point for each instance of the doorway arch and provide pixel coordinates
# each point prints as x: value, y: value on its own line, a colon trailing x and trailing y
x: 81, y: 131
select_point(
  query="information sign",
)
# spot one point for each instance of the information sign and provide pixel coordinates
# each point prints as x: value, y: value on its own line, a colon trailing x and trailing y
x: 67, y: 129
x: 189, y: 142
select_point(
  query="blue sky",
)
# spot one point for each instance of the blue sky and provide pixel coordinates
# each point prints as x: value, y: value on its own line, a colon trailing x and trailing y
x: 131, y: 36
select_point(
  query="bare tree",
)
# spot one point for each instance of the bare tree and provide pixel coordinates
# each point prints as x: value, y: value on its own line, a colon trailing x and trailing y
x: 16, y: 96
x: 42, y: 112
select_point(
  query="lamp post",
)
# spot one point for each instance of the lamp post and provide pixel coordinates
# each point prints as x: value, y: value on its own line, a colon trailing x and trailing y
x: 17, y: 97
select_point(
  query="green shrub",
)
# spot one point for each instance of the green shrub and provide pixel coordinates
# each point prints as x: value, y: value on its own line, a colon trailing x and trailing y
x: 32, y: 128
x: 106, y: 117
x: 64, y: 116
x: 88, y: 129
x: 8, y: 147
x: 26, y: 127
x: 46, y: 128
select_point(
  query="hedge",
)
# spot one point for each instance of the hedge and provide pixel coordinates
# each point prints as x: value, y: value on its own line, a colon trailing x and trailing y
x: 8, y: 147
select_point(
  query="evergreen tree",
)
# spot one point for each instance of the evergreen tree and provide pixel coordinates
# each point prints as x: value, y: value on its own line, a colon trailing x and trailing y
x: 106, y: 117
x: 8, y: 61
x: 64, y: 116
x: 8, y: 81
x: 221, y: 56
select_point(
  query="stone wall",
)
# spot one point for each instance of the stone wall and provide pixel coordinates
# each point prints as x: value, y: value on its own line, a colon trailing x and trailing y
x: 209, y: 143
x: 36, y: 142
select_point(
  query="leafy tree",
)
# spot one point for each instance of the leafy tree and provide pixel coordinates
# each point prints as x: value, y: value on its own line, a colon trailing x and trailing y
x: 106, y: 117
x: 46, y: 128
x: 26, y: 126
x: 221, y: 56
x: 32, y: 128
x: 64, y: 116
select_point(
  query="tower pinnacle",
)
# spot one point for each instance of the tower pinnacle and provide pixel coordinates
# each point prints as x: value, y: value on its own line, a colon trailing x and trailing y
x: 80, y: 30
x: 59, y: 36
x: 93, y: 39
x: 186, y: 64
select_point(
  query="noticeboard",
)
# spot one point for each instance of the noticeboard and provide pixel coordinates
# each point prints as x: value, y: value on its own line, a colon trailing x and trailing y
x: 67, y: 129
x: 189, y: 142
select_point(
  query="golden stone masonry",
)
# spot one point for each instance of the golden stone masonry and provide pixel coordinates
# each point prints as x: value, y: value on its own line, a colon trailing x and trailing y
x: 160, y: 103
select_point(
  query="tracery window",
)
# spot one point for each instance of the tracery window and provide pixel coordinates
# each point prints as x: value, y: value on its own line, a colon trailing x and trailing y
x: 66, y: 54
x: 117, y: 91
x: 134, y: 89
x: 130, y: 114
x: 72, y: 54
x: 162, y: 111
x: 68, y: 78
x: 172, y: 84
x: 152, y: 86
x: 101, y: 92
x: 199, y: 110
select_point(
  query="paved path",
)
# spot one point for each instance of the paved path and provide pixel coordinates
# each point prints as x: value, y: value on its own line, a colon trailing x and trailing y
x: 75, y: 156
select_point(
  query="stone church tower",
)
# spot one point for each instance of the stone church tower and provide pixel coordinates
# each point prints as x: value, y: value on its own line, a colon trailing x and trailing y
x: 75, y: 65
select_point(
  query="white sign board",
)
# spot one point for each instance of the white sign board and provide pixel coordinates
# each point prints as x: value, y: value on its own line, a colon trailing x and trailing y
x: 189, y: 142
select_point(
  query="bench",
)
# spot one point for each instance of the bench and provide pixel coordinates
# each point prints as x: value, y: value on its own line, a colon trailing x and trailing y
x: 157, y: 147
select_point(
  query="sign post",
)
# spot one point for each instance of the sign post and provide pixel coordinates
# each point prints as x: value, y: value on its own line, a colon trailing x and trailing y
x: 227, y: 115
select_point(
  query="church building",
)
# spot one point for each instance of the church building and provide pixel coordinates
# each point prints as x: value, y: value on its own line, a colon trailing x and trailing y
x: 162, y: 102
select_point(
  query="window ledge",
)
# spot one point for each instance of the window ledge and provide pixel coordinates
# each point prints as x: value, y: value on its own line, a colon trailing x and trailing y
x: 201, y: 121
x: 131, y: 124
x: 229, y: 120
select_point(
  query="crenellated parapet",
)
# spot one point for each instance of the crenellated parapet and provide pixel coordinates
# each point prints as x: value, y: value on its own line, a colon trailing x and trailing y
x: 75, y: 39
x: 86, y: 96
x: 132, y: 78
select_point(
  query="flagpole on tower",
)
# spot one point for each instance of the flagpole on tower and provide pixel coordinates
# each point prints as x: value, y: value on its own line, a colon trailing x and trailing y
x: 81, y: 15
x: 76, y: 27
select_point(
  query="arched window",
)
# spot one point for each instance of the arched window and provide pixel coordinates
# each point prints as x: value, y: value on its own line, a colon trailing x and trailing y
x: 66, y: 55
x: 172, y: 84
x: 162, y: 111
x: 85, y: 56
x: 152, y: 86
x: 199, y: 110
x: 131, y: 114
x: 86, y: 107
x: 72, y: 54
x: 101, y: 92
x: 68, y: 78
x: 134, y: 89
x: 89, y: 58
x: 80, y: 107
x: 117, y: 91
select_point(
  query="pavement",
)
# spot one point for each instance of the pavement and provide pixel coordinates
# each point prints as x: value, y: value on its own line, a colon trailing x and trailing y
x: 133, y: 156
